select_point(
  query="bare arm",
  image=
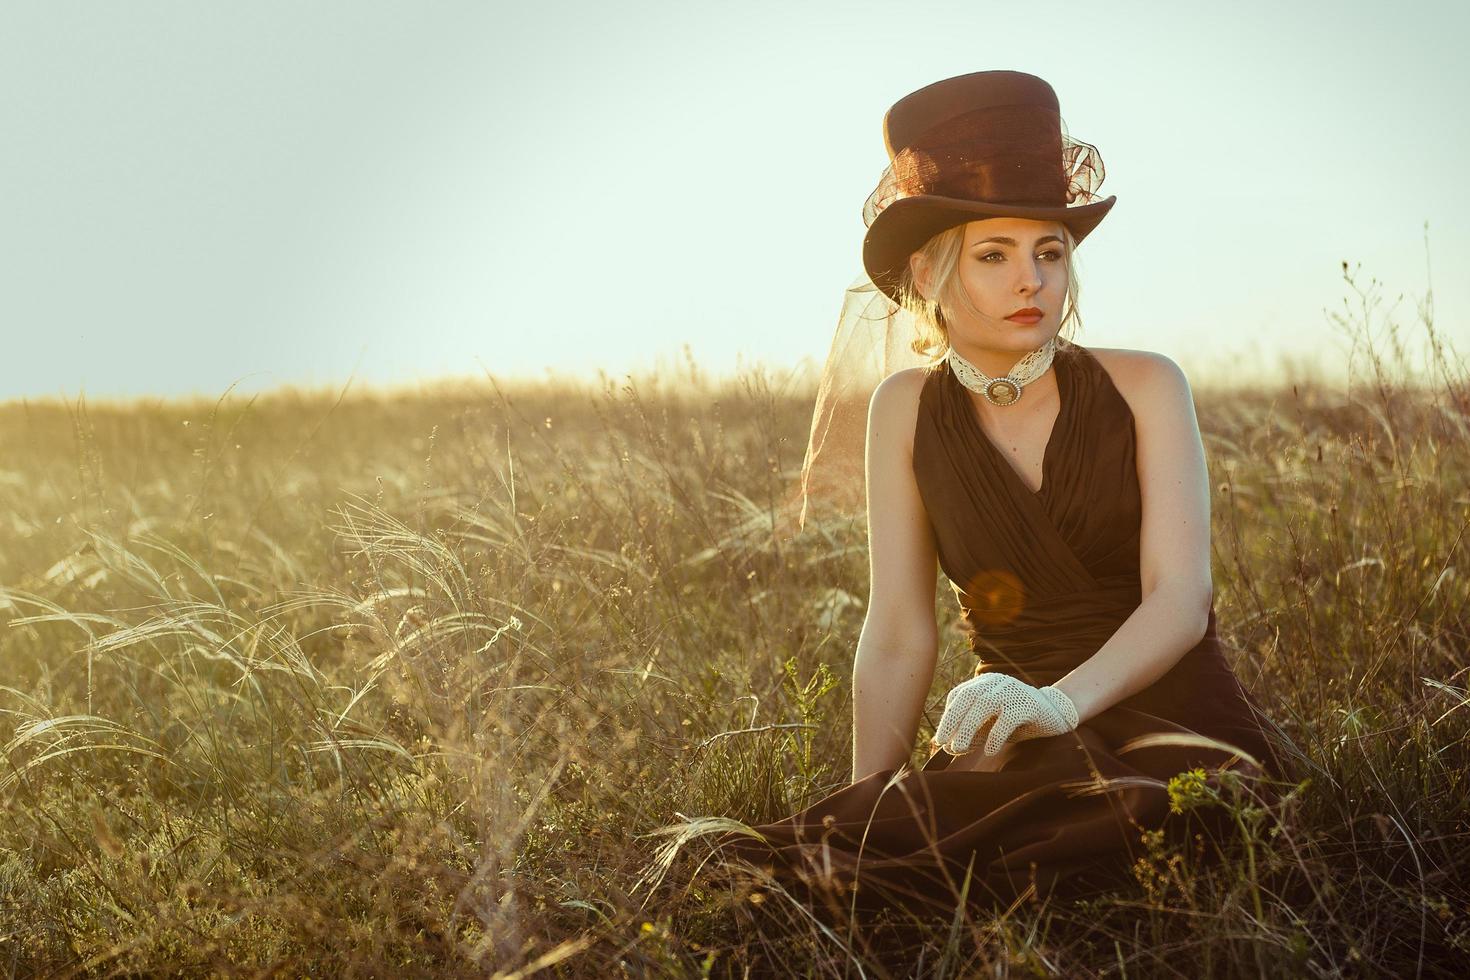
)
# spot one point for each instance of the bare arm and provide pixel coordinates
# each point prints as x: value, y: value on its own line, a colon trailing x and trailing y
x: 899, y: 644
x: 1174, y: 561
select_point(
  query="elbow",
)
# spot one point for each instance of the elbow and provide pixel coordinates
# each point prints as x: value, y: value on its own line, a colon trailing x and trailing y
x: 1193, y: 605
x: 1198, y: 602
x: 914, y: 644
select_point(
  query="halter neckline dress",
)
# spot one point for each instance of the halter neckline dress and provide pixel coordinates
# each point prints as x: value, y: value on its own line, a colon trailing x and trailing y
x: 1043, y: 579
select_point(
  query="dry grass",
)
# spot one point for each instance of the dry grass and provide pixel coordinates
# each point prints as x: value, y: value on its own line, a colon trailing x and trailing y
x: 409, y: 686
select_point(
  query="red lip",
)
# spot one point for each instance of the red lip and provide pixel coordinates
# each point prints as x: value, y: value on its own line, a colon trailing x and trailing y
x: 1029, y: 311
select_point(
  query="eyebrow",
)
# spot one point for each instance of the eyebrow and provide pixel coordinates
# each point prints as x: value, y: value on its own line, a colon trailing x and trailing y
x: 1012, y: 241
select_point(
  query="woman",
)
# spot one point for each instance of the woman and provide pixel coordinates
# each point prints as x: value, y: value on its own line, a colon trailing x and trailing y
x: 1063, y: 491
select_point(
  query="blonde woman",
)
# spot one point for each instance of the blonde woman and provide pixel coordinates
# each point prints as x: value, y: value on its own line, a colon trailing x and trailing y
x: 1063, y: 492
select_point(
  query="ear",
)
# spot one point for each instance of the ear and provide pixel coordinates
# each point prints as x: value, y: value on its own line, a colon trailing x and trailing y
x: 920, y: 269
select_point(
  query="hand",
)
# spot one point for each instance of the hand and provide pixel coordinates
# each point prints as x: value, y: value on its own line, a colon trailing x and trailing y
x: 1016, y: 708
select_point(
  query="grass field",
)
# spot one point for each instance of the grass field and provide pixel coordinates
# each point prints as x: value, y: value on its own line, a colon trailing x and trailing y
x: 407, y: 686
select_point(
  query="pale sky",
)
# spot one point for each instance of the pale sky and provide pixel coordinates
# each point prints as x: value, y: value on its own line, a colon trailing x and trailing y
x: 195, y: 194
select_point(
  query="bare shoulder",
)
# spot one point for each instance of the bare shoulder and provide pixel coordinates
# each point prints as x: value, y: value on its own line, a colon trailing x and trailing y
x: 1146, y: 379
x: 894, y: 408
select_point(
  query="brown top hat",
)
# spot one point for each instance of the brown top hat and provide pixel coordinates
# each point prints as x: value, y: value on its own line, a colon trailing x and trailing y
x: 984, y: 145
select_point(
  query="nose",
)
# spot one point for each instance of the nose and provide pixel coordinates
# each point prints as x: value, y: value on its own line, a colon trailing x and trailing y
x: 1028, y: 278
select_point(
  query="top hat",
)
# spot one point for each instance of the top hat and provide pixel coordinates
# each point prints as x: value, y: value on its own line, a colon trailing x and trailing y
x: 990, y: 144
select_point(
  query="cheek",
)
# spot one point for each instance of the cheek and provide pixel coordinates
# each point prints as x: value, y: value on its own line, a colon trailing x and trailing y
x: 982, y: 281
x: 988, y: 293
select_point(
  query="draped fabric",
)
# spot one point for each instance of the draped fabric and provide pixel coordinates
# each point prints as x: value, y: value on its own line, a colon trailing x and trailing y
x: 1043, y: 579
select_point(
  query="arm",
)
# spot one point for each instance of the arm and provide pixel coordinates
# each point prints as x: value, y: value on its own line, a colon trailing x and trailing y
x: 1174, y: 561
x: 899, y: 644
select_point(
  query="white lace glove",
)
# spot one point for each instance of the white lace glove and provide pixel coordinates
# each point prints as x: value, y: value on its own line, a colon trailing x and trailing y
x: 1018, y: 710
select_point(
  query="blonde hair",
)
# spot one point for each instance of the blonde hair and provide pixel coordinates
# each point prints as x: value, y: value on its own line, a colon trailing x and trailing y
x: 941, y: 254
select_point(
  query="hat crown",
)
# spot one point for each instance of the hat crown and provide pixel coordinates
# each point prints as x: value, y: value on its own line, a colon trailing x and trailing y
x: 920, y: 111
x: 992, y: 137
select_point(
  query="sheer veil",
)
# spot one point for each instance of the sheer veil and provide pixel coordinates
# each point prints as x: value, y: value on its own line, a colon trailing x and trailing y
x: 873, y: 339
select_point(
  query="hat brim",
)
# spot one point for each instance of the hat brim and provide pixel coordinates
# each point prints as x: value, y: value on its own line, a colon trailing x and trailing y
x: 905, y: 225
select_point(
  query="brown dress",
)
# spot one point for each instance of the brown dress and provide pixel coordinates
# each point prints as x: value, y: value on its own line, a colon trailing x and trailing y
x: 1043, y: 578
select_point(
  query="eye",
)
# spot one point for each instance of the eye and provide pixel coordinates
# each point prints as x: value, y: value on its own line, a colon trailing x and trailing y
x: 1056, y: 255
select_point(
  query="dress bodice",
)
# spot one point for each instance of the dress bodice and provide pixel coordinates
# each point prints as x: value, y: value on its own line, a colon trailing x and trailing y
x: 1038, y: 572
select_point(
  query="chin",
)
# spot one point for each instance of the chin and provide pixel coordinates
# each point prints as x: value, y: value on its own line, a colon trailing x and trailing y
x: 1020, y: 335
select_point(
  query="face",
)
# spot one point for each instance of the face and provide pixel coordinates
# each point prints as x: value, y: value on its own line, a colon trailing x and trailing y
x: 1005, y: 265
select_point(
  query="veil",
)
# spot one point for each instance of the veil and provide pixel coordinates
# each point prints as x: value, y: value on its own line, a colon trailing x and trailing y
x: 873, y: 340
